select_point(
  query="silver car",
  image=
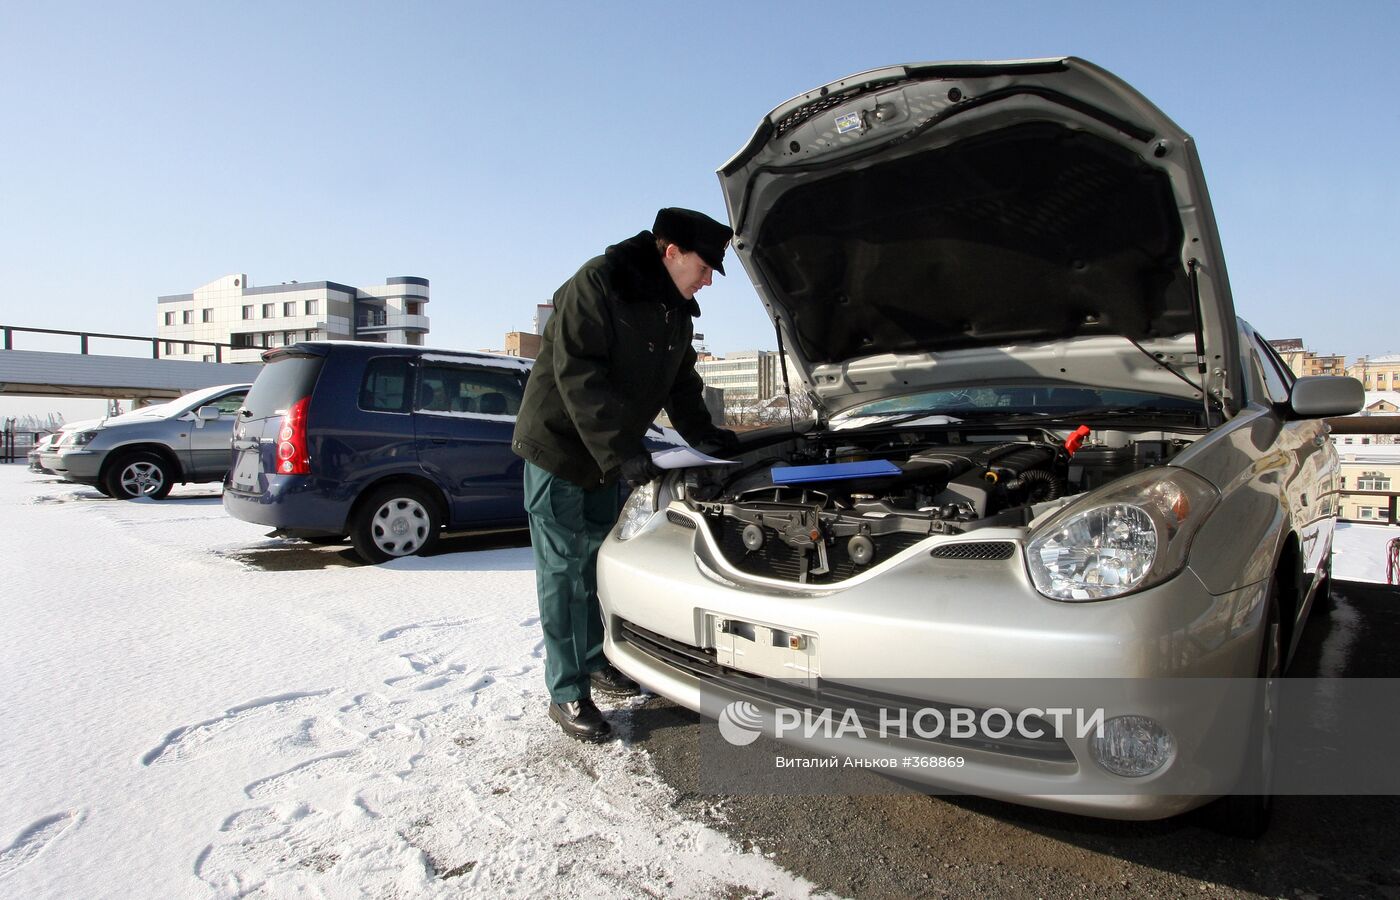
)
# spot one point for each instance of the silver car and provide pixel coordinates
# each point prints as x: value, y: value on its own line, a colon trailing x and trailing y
x: 44, y: 443
x: 1045, y: 448
x: 146, y: 452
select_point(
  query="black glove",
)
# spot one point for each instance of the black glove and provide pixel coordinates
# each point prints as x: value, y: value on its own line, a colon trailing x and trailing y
x: 639, y: 470
x: 719, y: 442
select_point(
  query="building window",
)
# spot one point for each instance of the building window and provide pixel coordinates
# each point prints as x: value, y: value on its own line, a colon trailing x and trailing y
x: 313, y: 308
x: 413, y: 308
x: 313, y: 335
x: 289, y: 337
x: 186, y: 351
x: 289, y: 308
x: 1367, y: 512
x: 248, y: 311
x: 208, y: 357
x: 170, y: 318
x: 169, y: 347
x: 269, y: 310
x: 267, y: 339
x: 1373, y: 481
x: 207, y: 315
x: 187, y: 316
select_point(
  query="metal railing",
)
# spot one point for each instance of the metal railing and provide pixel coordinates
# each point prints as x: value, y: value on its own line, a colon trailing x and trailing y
x: 83, y: 337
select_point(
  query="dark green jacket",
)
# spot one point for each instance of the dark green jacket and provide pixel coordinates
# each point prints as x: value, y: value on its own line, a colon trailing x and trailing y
x: 615, y: 352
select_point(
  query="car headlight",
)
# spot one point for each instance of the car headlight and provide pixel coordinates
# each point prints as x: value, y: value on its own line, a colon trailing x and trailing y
x: 80, y: 438
x: 637, y: 511
x: 1124, y: 537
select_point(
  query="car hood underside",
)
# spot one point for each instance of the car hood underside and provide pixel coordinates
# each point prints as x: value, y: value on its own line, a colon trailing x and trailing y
x: 911, y: 213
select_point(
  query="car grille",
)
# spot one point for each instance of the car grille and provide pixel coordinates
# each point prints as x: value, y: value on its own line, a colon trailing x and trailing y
x: 680, y: 519
x: 975, y: 550
x: 776, y: 559
x: 700, y: 663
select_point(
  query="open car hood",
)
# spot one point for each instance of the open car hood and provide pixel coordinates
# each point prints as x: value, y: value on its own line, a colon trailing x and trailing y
x: 951, y: 223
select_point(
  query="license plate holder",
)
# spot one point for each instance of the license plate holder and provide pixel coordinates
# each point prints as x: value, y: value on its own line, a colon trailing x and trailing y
x: 245, y: 474
x: 767, y: 650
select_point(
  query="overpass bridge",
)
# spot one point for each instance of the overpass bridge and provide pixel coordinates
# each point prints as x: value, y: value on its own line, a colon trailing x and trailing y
x: 40, y: 373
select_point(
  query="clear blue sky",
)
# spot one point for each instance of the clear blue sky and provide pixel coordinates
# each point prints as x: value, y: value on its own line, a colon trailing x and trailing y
x: 150, y: 148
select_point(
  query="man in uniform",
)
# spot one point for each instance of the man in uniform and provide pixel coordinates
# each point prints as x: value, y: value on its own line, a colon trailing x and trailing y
x: 616, y: 351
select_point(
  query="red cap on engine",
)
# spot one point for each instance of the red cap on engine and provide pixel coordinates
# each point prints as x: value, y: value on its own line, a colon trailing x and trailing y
x: 1076, y: 440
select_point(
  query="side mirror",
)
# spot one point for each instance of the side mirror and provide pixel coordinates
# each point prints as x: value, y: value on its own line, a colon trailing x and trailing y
x: 1325, y: 396
x: 210, y: 413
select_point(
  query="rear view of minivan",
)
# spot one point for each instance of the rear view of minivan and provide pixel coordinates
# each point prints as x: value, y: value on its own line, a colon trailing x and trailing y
x: 388, y: 444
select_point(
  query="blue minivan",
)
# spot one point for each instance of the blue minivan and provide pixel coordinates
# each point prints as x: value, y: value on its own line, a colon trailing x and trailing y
x: 385, y: 443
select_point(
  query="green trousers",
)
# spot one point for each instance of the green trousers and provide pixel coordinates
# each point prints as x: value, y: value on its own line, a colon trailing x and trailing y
x: 567, y: 526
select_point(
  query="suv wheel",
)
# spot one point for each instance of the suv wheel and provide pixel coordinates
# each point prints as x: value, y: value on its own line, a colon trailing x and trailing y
x: 139, y: 475
x: 395, y: 520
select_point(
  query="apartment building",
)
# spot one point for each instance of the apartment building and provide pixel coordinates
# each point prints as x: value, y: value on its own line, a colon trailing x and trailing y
x: 229, y: 310
x: 746, y: 376
x: 1377, y: 373
x: 1369, y: 468
x: 1305, y: 362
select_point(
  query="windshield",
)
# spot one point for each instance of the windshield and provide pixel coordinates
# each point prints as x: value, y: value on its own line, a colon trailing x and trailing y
x: 1040, y: 400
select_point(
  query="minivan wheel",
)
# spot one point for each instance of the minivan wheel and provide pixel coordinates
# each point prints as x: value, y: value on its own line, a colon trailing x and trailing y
x: 395, y: 520
x: 139, y: 475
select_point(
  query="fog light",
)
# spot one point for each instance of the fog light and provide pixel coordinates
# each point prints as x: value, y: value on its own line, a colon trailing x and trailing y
x: 1133, y: 746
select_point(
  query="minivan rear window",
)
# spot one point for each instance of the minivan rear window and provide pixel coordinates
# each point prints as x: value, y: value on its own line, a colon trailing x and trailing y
x: 385, y: 388
x: 282, y: 382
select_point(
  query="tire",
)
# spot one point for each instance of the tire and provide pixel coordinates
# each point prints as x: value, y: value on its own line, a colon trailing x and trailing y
x: 394, y: 521
x: 139, y: 475
x: 102, y: 489
x: 1247, y: 811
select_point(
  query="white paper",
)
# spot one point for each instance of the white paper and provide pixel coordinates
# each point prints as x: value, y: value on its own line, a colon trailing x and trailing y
x: 685, y: 457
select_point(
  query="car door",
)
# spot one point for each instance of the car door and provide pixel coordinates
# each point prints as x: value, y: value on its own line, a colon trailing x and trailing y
x: 210, y: 439
x: 1310, y: 488
x: 464, y: 416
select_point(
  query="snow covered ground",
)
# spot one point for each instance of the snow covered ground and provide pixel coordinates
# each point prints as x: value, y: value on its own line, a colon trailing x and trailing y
x: 1359, y: 552
x: 176, y: 723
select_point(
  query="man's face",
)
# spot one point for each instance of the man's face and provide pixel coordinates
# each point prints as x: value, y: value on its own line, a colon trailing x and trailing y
x: 687, y: 269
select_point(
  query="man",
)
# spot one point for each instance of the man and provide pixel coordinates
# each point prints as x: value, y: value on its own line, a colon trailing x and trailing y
x: 615, y: 352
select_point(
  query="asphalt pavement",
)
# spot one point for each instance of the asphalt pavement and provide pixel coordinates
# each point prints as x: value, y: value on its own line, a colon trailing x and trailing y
x: 887, y: 841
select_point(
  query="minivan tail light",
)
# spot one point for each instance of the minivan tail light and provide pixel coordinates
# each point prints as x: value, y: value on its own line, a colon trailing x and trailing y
x: 292, y: 456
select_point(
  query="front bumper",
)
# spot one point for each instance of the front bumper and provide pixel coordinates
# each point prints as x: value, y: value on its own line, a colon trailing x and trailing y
x: 950, y: 631
x: 83, y: 466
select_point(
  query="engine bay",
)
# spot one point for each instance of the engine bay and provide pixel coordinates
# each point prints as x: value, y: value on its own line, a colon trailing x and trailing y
x: 824, y: 506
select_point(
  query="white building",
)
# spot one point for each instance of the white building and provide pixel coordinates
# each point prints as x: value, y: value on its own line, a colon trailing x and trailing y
x: 746, y: 376
x: 230, y: 310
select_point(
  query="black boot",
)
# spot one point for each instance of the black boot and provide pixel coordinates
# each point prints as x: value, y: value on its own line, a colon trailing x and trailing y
x: 581, y: 719
x: 609, y: 680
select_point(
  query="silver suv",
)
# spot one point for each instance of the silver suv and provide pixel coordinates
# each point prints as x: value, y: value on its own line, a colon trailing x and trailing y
x: 146, y: 452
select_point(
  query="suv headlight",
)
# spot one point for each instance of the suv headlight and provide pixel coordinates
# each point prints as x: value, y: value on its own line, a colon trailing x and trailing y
x: 79, y: 438
x: 637, y: 511
x: 1126, y: 536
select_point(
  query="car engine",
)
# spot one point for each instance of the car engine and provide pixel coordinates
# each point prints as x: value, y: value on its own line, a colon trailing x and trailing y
x: 823, y: 507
